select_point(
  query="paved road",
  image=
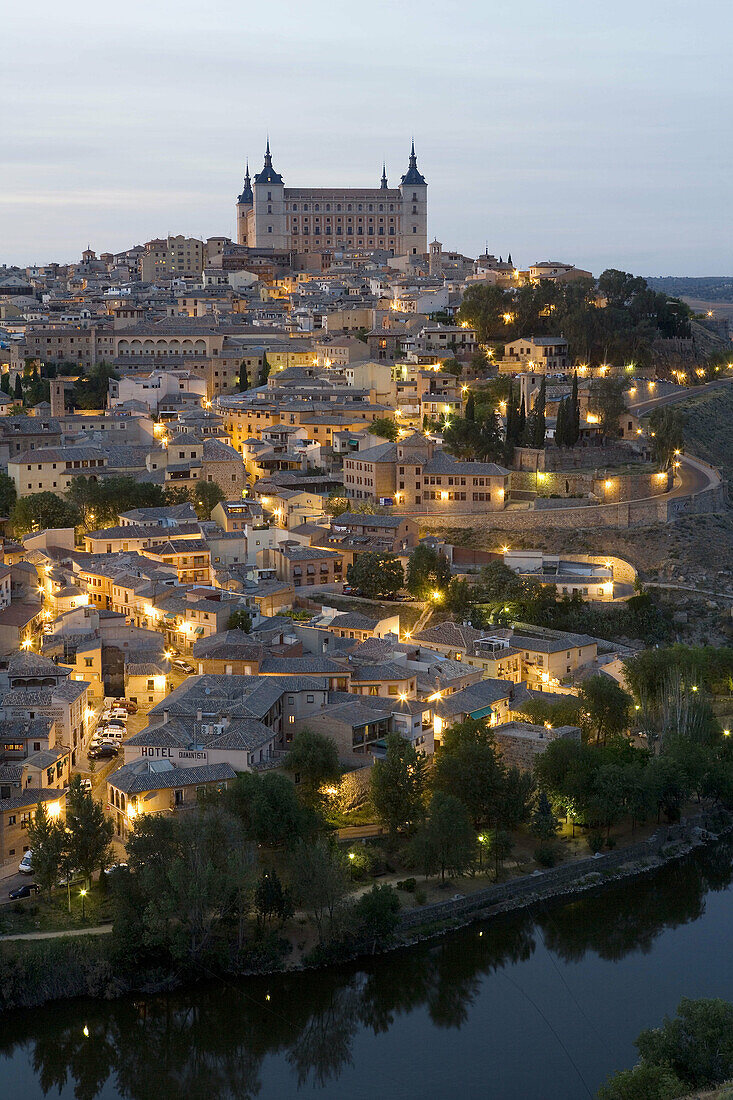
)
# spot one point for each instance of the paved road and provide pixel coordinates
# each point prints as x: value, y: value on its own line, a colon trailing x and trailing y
x: 693, y: 477
x: 679, y: 394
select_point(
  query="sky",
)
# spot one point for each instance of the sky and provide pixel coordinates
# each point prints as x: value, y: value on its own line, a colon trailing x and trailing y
x: 596, y: 133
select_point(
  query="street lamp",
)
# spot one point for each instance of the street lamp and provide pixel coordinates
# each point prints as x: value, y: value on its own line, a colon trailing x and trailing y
x: 83, y: 900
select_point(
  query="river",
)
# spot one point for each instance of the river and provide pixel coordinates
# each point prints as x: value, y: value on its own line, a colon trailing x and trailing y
x: 533, y: 1007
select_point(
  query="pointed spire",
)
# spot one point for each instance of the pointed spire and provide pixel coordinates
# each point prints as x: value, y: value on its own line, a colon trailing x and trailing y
x: 247, y: 198
x: 413, y: 177
x: 268, y: 173
x: 384, y: 176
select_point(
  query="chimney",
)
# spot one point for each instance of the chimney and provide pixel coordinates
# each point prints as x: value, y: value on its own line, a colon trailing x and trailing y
x: 58, y: 401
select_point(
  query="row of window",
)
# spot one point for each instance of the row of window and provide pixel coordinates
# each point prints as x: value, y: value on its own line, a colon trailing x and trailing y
x: 338, y: 206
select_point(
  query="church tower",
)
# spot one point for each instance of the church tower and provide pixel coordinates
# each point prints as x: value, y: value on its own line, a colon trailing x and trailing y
x: 414, y: 191
x: 270, y: 222
x: 244, y: 205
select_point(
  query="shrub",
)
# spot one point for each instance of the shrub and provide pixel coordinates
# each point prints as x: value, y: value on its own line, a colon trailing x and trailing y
x: 409, y: 885
x: 546, y: 855
x: 420, y: 897
x: 596, y: 842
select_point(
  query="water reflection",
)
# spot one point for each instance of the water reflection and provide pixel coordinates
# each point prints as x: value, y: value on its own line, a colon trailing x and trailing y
x: 212, y: 1043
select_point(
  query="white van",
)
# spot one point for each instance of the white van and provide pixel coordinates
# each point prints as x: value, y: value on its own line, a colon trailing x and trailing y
x: 25, y: 866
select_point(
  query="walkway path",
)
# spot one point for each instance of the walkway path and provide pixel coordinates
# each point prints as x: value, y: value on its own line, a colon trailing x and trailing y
x: 95, y: 930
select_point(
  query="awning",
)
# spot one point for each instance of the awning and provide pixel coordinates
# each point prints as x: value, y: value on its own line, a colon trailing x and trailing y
x: 199, y: 630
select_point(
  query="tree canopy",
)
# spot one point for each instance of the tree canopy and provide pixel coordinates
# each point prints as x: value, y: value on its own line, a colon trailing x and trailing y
x: 376, y: 575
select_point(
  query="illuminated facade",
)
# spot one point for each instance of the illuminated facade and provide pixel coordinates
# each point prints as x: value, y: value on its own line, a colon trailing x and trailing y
x: 311, y: 219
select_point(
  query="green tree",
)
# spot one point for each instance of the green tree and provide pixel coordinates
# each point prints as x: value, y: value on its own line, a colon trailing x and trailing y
x: 272, y: 901
x: 101, y: 502
x: 336, y: 505
x: 446, y: 842
x: 39, y: 511
x: 667, y: 430
x: 452, y: 366
x: 428, y: 571
x: 5, y: 382
x: 268, y: 808
x: 195, y: 878
x: 89, y: 830
x: 320, y: 880
x: 561, y: 429
x: 483, y: 308
x: 8, y: 494
x: 47, y: 841
x: 544, y: 825
x: 500, y: 847
x: 240, y: 620
x: 468, y: 767
x: 376, y: 913
x: 697, y: 1044
x: 313, y: 760
x: 264, y: 370
x: 470, y: 414
x: 376, y: 575
x: 606, y: 399
x: 607, y: 707
x: 205, y: 498
x: 538, y: 424
x: 397, y: 785
x: 385, y: 427
x: 18, y: 389
x: 643, y: 1082
x: 91, y: 390
x: 243, y: 377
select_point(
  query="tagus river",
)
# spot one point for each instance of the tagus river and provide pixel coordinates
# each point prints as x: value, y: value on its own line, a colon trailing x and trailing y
x: 538, y: 1006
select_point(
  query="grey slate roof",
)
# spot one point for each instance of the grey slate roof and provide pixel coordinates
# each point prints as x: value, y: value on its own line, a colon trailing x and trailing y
x: 140, y: 776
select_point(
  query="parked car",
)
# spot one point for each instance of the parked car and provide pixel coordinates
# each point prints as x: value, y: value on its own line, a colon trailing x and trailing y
x: 24, y: 891
x: 86, y: 785
x: 111, y: 733
x: 111, y: 728
x: 126, y: 705
x: 24, y: 866
x: 117, y: 714
x: 184, y: 666
x: 114, y: 867
x: 105, y: 751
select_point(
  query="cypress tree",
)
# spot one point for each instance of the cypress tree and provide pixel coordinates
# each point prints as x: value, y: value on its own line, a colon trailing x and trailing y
x: 18, y: 391
x: 5, y: 382
x: 470, y: 408
x: 510, y: 416
x: 560, y: 427
x: 243, y: 378
x: 574, y: 414
x: 538, y: 433
x: 522, y: 421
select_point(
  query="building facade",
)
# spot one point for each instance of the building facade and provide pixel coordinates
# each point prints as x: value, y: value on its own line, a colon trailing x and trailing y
x: 308, y: 219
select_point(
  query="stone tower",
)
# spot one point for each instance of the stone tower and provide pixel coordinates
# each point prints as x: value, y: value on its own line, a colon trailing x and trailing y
x: 58, y: 397
x: 414, y: 191
x: 269, y: 207
x: 436, y: 258
x: 244, y: 205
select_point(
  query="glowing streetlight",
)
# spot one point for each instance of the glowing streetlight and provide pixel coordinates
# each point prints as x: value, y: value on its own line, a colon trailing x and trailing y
x: 83, y: 894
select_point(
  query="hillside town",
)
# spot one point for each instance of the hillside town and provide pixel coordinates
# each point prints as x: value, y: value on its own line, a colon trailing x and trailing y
x: 274, y: 545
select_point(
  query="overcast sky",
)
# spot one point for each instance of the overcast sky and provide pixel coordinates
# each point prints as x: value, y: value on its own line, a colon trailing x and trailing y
x: 593, y: 132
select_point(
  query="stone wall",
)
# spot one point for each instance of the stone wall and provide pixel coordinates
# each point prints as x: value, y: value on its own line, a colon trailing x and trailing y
x: 583, y: 874
x: 634, y: 485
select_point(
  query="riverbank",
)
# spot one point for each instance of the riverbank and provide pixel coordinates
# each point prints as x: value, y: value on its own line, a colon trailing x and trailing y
x: 39, y: 971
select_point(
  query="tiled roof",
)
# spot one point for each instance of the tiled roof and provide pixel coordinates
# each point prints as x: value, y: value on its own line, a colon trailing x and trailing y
x: 140, y: 776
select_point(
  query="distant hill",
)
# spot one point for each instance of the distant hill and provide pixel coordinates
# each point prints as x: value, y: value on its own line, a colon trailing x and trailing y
x: 710, y: 289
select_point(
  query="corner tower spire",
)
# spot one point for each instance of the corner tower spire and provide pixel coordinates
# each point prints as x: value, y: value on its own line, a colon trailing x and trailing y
x: 384, y: 176
x: 413, y: 175
x: 246, y: 198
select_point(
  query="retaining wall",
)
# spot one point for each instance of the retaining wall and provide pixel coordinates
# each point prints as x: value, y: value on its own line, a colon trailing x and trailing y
x: 524, y: 891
